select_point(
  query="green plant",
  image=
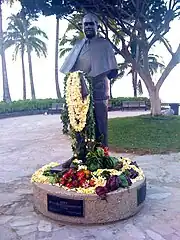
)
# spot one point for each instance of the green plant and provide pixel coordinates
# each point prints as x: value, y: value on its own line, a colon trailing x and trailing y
x: 28, y: 105
x: 64, y: 115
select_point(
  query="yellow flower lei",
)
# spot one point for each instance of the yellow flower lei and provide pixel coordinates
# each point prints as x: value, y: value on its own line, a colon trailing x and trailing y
x: 77, y: 107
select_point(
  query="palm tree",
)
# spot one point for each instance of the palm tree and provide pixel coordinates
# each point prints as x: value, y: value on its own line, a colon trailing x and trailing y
x: 121, y: 72
x: 6, y: 93
x: 155, y: 64
x: 56, y: 59
x: 25, y: 38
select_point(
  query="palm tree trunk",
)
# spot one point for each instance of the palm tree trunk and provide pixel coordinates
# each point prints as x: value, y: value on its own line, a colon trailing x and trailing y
x: 23, y: 75
x: 56, y: 60
x: 33, y: 96
x: 6, y: 93
x: 135, y: 74
x: 134, y: 82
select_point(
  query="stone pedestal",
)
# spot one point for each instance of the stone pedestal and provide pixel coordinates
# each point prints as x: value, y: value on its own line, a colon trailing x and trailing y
x: 73, y: 207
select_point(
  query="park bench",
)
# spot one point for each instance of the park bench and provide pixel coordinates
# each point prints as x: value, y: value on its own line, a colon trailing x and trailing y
x: 113, y: 108
x: 56, y: 108
x: 134, y: 105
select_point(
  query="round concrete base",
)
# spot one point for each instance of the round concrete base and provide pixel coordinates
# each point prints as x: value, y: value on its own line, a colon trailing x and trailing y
x: 73, y: 207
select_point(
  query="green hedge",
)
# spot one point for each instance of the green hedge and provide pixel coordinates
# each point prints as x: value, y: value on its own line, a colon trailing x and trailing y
x: 44, y: 104
x: 117, y: 102
x: 27, y: 105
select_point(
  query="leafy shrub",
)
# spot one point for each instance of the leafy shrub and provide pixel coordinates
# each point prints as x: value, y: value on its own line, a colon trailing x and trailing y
x: 44, y: 104
x: 28, y: 105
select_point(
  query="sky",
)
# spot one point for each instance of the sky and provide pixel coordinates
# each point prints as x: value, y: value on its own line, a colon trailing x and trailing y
x: 43, y: 68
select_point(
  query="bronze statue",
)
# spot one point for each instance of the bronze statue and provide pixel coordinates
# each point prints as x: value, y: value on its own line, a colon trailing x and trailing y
x: 94, y: 55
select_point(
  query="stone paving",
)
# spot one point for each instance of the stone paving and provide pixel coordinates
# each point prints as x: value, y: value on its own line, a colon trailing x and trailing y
x: 27, y: 143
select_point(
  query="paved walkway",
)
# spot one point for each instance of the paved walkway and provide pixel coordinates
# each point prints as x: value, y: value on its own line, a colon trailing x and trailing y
x: 27, y: 143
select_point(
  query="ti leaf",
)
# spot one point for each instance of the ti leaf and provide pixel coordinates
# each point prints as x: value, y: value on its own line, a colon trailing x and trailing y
x: 100, y: 152
x: 124, y: 182
x: 52, y: 180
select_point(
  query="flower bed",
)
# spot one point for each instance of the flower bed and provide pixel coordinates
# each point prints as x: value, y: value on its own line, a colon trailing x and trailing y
x: 82, y: 180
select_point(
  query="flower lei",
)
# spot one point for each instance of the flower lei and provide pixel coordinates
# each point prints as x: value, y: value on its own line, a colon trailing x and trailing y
x: 77, y: 107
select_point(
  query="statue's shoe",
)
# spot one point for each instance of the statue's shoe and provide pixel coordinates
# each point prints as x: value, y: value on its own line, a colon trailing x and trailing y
x: 62, y: 167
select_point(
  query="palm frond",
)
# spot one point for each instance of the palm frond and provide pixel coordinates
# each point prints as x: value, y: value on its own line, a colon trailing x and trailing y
x: 15, y: 24
x: 18, y: 26
x: 121, y: 72
x: 36, y: 31
x: 8, y: 43
x: 63, y: 51
x: 155, y: 65
x: 74, y: 22
x: 70, y: 27
x: 39, y: 47
x: 64, y: 40
x: 17, y: 49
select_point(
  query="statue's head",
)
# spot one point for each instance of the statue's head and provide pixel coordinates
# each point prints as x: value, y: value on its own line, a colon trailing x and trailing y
x: 90, y: 25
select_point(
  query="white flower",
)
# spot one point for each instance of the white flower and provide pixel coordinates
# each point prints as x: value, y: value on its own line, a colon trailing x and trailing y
x: 77, y: 107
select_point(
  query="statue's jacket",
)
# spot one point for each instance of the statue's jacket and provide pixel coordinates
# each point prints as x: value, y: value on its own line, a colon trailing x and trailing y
x: 100, y: 56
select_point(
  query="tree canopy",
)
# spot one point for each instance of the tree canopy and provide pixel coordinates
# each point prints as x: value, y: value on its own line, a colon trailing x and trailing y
x: 137, y: 25
x: 115, y: 9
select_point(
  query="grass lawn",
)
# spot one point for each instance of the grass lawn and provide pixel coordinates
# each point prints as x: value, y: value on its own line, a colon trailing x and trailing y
x: 145, y: 134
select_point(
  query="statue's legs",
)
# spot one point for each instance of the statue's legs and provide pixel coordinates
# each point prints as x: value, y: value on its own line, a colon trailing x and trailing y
x: 101, y: 120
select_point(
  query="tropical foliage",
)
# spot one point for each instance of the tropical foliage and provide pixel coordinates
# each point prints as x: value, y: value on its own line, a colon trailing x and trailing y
x: 144, y: 23
x: 25, y: 38
x: 28, y: 105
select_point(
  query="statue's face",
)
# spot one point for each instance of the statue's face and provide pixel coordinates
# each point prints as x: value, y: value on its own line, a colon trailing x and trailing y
x: 90, y: 26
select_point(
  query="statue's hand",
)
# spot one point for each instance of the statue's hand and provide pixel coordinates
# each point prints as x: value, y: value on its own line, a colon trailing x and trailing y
x: 112, y: 74
x: 84, y: 88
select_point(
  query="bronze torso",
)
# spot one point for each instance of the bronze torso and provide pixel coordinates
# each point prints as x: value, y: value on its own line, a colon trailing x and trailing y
x: 84, y: 63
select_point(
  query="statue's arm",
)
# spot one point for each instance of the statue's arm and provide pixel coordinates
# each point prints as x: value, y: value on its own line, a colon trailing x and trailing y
x: 114, y: 72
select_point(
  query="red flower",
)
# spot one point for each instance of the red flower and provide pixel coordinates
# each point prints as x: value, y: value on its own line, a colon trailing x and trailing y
x: 69, y: 185
x: 69, y: 174
x: 70, y: 180
x: 80, y: 174
x: 92, y: 183
x: 71, y: 171
x: 62, y: 181
x: 82, y: 181
x: 75, y: 184
x: 65, y: 176
x: 106, y: 151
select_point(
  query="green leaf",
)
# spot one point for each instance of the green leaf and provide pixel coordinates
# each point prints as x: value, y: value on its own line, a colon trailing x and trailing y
x: 100, y: 152
x: 94, y: 166
x: 124, y: 182
x: 52, y: 180
x: 105, y: 174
